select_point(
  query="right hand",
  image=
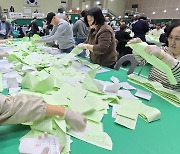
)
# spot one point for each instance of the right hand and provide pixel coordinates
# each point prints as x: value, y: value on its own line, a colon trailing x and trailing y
x: 134, y: 40
x: 82, y: 46
x: 75, y: 120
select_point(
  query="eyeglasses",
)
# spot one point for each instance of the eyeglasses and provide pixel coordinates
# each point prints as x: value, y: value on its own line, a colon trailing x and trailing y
x: 174, y: 39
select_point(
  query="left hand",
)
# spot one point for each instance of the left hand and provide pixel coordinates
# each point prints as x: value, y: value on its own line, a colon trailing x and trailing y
x: 46, y: 150
x: 82, y: 46
x: 75, y: 120
x: 154, y: 50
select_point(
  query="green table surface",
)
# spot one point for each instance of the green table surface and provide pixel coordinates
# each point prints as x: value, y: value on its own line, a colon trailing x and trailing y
x: 159, y: 137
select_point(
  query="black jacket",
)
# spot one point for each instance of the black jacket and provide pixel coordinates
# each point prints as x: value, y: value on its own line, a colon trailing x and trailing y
x: 34, y: 28
x: 122, y: 37
x: 140, y: 28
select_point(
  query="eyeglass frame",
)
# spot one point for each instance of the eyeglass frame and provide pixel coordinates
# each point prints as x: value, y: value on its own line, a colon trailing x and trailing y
x: 174, y: 39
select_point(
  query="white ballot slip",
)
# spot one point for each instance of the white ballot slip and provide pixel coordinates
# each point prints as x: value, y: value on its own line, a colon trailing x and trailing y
x: 12, y: 83
x: 37, y: 145
x: 143, y: 94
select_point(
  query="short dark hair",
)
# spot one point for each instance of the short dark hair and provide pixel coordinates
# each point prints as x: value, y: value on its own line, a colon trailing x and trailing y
x: 158, y: 24
x: 171, y: 27
x: 84, y: 13
x: 49, y: 17
x: 97, y: 14
x: 143, y: 16
x: 123, y: 27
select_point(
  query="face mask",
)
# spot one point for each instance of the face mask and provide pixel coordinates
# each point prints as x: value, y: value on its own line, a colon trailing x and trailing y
x: 3, y: 21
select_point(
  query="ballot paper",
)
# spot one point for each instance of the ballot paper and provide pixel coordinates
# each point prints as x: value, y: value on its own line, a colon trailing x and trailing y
x: 149, y: 114
x: 106, y: 86
x: 13, y: 74
x: 143, y: 94
x: 99, y: 85
x: 5, y: 66
x: 80, y: 67
x: 4, y: 83
x: 12, y: 83
x: 114, y: 110
x: 37, y: 145
x: 73, y: 81
x: 14, y: 90
x: 94, y: 134
x: 27, y: 67
x: 171, y: 96
x: 114, y: 79
x: 127, y: 113
x: 127, y: 86
x: 126, y: 94
x: 103, y: 70
x: 113, y: 88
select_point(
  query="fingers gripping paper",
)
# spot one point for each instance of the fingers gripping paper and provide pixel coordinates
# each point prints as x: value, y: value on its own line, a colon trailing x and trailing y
x: 139, y: 48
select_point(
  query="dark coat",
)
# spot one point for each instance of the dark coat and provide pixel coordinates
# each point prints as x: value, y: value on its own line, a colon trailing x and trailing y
x: 140, y: 28
x: 123, y: 37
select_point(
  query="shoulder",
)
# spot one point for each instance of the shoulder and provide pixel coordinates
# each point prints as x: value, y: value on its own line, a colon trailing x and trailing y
x: 105, y: 28
x: 63, y: 23
x: 78, y: 21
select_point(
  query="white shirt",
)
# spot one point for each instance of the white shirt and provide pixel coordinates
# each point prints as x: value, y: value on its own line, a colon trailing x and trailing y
x: 156, y: 32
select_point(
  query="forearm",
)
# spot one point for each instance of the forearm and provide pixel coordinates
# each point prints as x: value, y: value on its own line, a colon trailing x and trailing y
x: 168, y: 59
x: 89, y: 47
x: 52, y: 110
x: 49, y: 38
x: 21, y: 108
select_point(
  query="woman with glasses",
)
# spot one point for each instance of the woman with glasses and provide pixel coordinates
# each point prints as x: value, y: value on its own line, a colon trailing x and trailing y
x: 169, y: 54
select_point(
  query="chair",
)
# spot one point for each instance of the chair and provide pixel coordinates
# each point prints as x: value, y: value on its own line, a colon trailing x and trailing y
x: 133, y: 63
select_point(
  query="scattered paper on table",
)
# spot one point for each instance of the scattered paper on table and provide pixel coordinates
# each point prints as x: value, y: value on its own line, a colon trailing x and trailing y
x: 143, y: 94
x: 114, y: 79
x: 36, y: 145
x: 127, y: 86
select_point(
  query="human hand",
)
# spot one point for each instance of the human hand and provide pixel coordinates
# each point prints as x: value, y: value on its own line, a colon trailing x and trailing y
x: 134, y: 40
x: 47, y: 150
x: 75, y: 120
x: 154, y: 50
x: 82, y: 46
x: 3, y: 54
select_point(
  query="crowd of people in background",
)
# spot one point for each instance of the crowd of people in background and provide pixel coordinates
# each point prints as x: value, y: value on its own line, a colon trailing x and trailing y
x: 103, y: 36
x: 105, y: 40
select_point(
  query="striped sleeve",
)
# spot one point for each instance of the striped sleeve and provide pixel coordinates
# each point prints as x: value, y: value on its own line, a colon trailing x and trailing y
x: 159, y: 76
x: 141, y: 60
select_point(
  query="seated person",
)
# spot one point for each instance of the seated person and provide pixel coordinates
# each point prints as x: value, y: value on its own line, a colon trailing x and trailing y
x: 123, y: 37
x: 26, y: 108
x: 157, y: 31
x: 101, y: 40
x: 169, y: 54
